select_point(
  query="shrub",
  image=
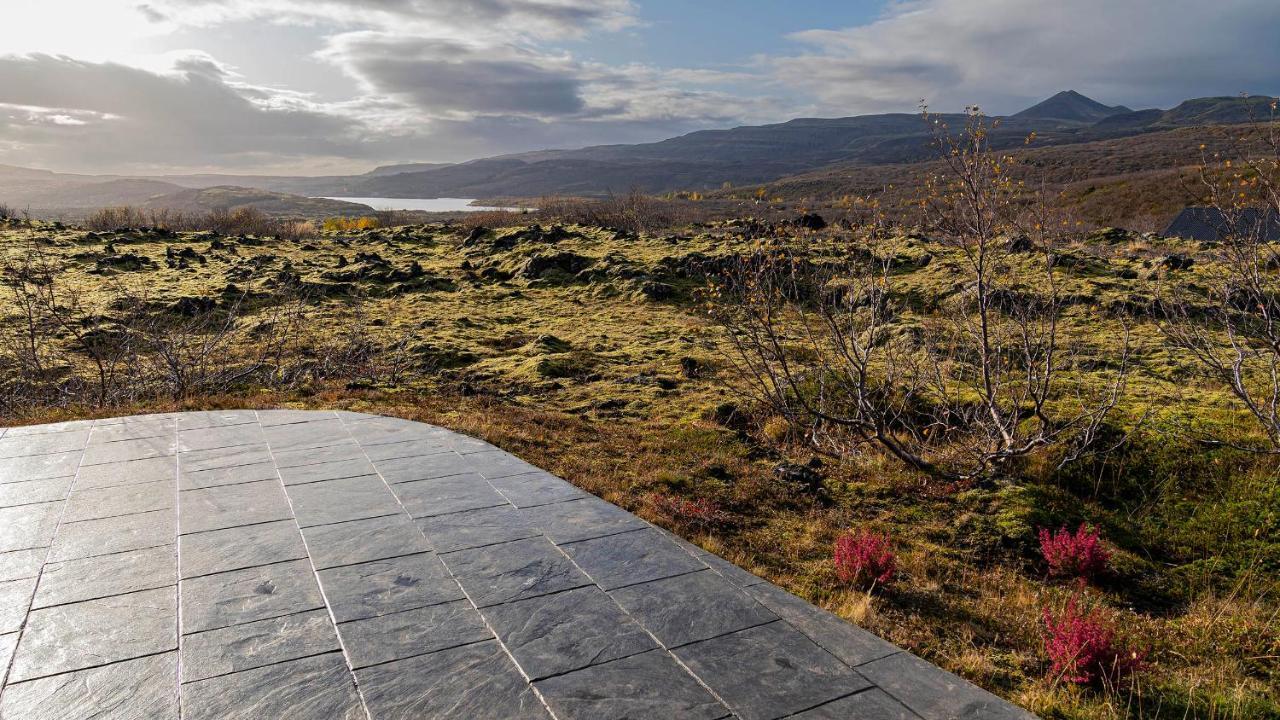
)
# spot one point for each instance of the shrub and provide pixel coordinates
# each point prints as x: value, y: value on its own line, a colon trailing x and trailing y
x: 702, y: 513
x: 1082, y: 646
x: 1080, y: 554
x: 865, y: 558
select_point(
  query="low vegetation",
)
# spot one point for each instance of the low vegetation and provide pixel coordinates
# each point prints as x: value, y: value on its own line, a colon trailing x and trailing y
x: 991, y: 436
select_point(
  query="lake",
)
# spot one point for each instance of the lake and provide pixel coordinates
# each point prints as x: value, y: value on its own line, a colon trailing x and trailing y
x: 425, y: 204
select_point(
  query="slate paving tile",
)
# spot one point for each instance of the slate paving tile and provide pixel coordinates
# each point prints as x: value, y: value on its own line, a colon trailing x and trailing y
x: 270, y: 418
x: 582, y: 519
x: 19, y: 564
x: 511, y: 571
x: 334, y: 501
x: 371, y: 434
x: 640, y: 687
x: 223, y: 457
x: 32, y: 492
x: 234, y: 475
x: 315, y: 688
x: 770, y: 671
x: 406, y: 450
x: 336, y: 470
x: 306, y: 435
x: 423, y: 467
x: 728, y: 570
x: 39, y: 467
x: 14, y: 597
x: 474, y: 528
x: 473, y: 682
x: 358, y: 541
x: 241, y: 596
x: 66, y: 426
x: 498, y: 463
x: 536, y: 488
x: 125, y: 450
x: 145, y: 688
x: 43, y: 444
x: 376, y: 588
x: 637, y: 556
x: 231, y: 505
x: 220, y: 437
x: 257, y: 644
x: 97, y: 577
x: 873, y: 704
x: 126, y: 473
x: 566, y: 631
x: 405, y: 634
x: 240, y: 547
x: 28, y: 526
x: 934, y: 694
x: 90, y: 538
x: 8, y: 642
x: 847, y: 641
x: 96, y: 632
x: 425, y: 498
x: 214, y: 418
x: 133, y: 431
x: 345, y: 450
x: 121, y: 500
x: 687, y: 608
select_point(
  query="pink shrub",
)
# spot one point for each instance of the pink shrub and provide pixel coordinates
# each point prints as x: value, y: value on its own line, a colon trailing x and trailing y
x: 1083, y: 649
x: 864, y: 558
x: 699, y: 512
x: 1079, y: 554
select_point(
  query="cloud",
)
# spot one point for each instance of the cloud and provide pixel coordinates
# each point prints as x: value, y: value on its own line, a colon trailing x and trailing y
x: 1004, y: 53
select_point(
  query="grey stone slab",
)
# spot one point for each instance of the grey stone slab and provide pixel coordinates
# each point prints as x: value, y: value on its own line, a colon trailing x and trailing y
x: 371, y: 434
x: 496, y: 574
x: 687, y: 608
x: 317, y: 434
x: 413, y: 632
x: 315, y: 688
x: 66, y: 426
x: 91, y: 538
x: 220, y: 437
x: 473, y: 682
x: 873, y: 704
x: 231, y: 505
x: 497, y: 463
x: 223, y: 457
x: 134, y: 431
x: 38, y: 467
x: 240, y: 547
x: 535, y: 488
x: 334, y: 501
x: 641, y: 687
x: 234, y: 475
x: 126, y: 473
x: 770, y: 671
x: 376, y: 588
x: 98, y: 577
x: 31, y: 492
x: 8, y: 642
x: 120, y: 500
x: 582, y: 519
x: 615, y: 561
x: 474, y: 528
x: 728, y: 570
x: 847, y: 641
x: 126, y: 450
x: 96, y: 632
x: 43, y: 444
x: 358, y: 541
x: 934, y: 694
x: 406, y: 450
x: 241, y: 596
x: 215, y: 418
x: 20, y: 564
x: 566, y: 631
x: 336, y: 470
x: 15, y: 595
x: 424, y: 467
x: 141, y: 689
x: 257, y: 644
x: 28, y: 526
x: 127, y: 419
x: 346, y: 450
x: 442, y: 496
x: 271, y: 418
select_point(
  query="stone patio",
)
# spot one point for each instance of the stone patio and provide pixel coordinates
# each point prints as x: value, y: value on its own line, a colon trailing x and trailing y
x: 285, y: 564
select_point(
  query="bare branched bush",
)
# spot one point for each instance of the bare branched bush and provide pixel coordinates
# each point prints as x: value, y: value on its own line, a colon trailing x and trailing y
x: 240, y: 221
x: 634, y: 212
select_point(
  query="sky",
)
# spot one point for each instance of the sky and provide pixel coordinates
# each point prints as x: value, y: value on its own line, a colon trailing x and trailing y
x: 339, y: 86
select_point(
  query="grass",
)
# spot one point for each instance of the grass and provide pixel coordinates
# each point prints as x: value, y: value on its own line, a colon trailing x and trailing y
x: 582, y: 372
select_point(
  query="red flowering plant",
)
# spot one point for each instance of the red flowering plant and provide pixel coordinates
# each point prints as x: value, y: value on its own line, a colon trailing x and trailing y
x: 701, y: 513
x: 864, y: 558
x: 1080, y: 554
x: 1083, y: 648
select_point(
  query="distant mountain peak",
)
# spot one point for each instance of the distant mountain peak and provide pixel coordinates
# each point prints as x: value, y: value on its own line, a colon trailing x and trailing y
x: 1071, y: 106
